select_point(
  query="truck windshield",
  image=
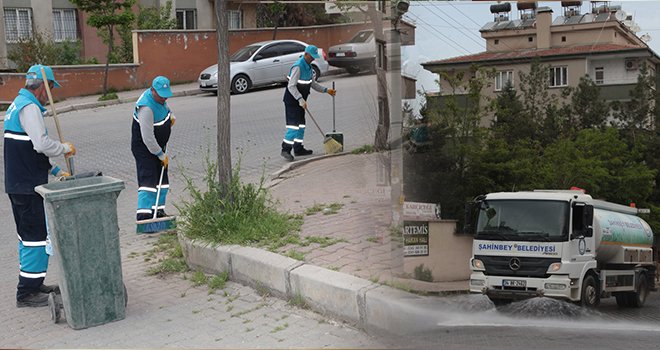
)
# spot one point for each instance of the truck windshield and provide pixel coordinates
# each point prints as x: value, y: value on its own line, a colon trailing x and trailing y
x: 523, y: 220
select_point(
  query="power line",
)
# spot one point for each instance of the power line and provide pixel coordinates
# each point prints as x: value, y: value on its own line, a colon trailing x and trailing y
x: 443, y: 35
x: 459, y: 29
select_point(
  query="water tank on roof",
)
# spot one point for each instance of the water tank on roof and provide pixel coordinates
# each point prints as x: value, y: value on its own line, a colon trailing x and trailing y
x: 571, y: 3
x: 526, y: 6
x: 497, y: 8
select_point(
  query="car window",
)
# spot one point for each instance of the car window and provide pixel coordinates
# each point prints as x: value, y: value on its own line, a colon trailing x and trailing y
x: 270, y: 51
x: 244, y: 54
x: 361, y: 37
x: 289, y: 48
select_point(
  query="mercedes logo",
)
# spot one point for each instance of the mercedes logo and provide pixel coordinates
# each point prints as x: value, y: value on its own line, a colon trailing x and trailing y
x: 514, y: 264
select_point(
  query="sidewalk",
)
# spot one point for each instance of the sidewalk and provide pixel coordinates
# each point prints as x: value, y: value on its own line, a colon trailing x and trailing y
x: 369, y: 248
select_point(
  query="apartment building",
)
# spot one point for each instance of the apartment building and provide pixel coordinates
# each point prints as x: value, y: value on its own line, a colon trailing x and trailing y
x: 61, y: 21
x: 600, y: 43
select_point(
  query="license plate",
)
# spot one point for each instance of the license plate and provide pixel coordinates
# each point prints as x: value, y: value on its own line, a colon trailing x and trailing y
x: 514, y: 283
x: 340, y: 54
x: 203, y: 84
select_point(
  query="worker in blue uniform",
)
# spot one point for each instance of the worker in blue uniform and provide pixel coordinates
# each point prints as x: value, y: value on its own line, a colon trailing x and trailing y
x: 295, y: 101
x: 151, y: 128
x: 28, y: 153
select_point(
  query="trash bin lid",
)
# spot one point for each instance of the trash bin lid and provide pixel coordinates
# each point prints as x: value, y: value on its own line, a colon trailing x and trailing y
x: 63, y: 190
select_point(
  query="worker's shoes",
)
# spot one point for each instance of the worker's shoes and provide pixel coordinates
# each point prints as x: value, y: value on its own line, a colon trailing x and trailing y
x: 287, y: 155
x: 303, y: 152
x: 161, y: 214
x: 49, y: 289
x: 35, y: 299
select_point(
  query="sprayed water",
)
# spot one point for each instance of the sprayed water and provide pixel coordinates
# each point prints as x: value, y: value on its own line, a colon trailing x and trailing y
x: 539, y: 313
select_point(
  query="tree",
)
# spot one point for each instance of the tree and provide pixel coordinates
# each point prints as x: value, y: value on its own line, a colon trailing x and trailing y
x: 223, y: 137
x: 156, y: 18
x: 105, y: 15
x: 271, y: 15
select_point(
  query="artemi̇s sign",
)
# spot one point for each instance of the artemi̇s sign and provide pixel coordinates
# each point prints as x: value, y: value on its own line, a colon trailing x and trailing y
x: 415, y: 238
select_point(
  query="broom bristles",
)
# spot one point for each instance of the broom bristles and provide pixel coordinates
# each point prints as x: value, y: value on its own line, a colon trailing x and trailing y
x: 332, y: 146
x: 151, y: 226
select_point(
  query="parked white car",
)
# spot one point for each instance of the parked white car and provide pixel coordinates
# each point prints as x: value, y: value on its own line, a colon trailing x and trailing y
x: 262, y: 63
x: 359, y: 54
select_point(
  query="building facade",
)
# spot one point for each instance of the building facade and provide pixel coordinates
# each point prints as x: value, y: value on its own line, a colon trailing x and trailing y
x: 62, y: 21
x: 600, y: 44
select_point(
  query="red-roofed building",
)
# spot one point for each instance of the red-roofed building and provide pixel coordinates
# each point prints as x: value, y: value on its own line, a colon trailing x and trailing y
x: 599, y: 44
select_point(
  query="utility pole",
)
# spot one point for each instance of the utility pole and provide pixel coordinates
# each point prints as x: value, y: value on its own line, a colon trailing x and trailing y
x: 223, y: 109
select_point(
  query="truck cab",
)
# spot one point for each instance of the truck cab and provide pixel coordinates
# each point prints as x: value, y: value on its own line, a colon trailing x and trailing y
x: 559, y: 244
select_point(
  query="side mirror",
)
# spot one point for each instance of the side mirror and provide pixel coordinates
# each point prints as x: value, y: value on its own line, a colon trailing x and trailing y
x: 468, y: 225
x: 257, y: 58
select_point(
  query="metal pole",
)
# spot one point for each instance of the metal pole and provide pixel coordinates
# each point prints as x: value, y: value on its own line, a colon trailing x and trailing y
x: 333, y: 108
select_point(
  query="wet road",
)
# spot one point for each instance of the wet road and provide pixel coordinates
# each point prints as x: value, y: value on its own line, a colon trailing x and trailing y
x: 472, y: 322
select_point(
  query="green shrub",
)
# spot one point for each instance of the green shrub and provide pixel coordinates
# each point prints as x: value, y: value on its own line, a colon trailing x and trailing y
x: 40, y: 48
x: 239, y: 214
x: 423, y: 274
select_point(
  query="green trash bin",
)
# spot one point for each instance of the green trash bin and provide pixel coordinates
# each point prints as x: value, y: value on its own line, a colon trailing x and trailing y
x: 82, y: 221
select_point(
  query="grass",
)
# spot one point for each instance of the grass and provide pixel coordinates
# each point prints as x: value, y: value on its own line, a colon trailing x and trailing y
x: 109, y: 96
x: 218, y: 281
x: 235, y: 213
x: 280, y: 328
x: 168, y: 255
x: 322, y: 241
x: 294, y: 254
x: 364, y: 149
x: 298, y: 301
x: 326, y: 209
x: 373, y: 239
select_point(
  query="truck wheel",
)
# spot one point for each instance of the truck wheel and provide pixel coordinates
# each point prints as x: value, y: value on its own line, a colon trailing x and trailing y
x: 590, y: 296
x: 638, y: 298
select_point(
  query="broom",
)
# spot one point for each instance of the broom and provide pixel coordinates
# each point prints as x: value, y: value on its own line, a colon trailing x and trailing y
x: 155, y: 224
x: 67, y: 159
x: 330, y: 145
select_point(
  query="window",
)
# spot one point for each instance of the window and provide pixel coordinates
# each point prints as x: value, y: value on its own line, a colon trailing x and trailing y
x: 530, y: 39
x: 558, y: 76
x: 18, y: 24
x: 381, y: 5
x: 64, y: 25
x: 186, y: 19
x: 563, y: 38
x: 497, y: 41
x: 291, y: 48
x: 270, y: 51
x: 380, y: 54
x: 235, y: 19
x: 502, y: 78
x: 600, y: 75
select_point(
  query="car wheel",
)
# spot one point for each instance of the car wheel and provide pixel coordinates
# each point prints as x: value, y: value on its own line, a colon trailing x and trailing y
x: 316, y: 73
x: 240, y: 84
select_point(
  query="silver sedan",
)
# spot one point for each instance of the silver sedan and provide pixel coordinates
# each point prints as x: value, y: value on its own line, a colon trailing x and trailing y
x: 262, y: 63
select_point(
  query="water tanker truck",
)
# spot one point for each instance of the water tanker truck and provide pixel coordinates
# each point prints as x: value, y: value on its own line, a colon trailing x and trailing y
x: 559, y: 244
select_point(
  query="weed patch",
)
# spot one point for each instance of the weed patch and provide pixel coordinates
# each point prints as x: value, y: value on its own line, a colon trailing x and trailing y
x: 168, y: 256
x: 235, y: 213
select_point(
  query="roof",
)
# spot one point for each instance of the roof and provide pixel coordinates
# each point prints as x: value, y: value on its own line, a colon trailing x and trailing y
x: 489, y: 56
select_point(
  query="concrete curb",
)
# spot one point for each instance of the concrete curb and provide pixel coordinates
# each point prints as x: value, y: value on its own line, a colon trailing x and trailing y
x: 359, y: 302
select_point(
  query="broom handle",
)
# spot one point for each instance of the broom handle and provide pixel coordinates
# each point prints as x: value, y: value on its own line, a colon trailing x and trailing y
x: 333, y: 109
x: 57, y: 120
x: 314, y: 120
x: 160, y: 183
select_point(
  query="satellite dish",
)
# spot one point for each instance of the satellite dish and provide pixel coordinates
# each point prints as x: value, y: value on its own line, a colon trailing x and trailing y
x: 646, y: 38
